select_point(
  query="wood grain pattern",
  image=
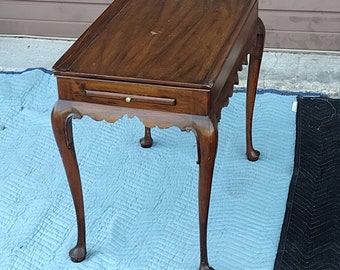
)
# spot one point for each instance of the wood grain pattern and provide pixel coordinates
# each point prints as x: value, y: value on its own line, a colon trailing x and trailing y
x: 156, y: 47
x: 169, y: 63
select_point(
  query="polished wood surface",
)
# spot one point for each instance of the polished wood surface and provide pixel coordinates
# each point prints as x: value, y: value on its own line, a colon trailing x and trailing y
x: 161, y: 41
x: 170, y: 63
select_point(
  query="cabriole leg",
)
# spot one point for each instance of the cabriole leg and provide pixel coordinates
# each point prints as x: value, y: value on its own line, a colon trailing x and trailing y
x: 206, y: 135
x: 253, y: 75
x: 62, y: 127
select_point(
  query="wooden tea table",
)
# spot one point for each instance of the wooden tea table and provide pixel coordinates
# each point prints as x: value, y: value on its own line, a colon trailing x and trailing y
x: 168, y: 62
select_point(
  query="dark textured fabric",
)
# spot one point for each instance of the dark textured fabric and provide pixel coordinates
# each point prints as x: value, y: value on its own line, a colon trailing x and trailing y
x: 310, y: 236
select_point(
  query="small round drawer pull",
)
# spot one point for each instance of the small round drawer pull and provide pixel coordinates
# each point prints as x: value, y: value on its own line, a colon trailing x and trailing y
x: 128, y: 99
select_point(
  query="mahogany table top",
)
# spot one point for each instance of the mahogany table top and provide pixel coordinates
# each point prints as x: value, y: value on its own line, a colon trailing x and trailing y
x: 179, y: 42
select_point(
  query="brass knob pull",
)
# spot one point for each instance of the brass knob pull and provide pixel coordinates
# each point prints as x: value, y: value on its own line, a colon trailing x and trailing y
x: 128, y: 99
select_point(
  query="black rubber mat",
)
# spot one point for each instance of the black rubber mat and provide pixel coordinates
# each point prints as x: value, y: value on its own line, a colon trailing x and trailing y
x: 310, y: 236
